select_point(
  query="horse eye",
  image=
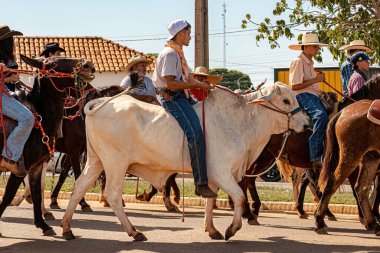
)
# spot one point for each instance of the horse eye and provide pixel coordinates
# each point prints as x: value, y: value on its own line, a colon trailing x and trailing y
x: 286, y: 101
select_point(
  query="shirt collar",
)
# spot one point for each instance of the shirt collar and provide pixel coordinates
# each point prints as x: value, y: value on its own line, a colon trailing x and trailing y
x: 306, y: 60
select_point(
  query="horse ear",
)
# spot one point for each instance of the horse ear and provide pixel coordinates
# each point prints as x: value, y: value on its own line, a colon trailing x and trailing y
x: 32, y: 62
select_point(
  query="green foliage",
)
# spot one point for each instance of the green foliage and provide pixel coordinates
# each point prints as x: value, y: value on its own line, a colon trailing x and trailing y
x: 230, y: 78
x: 337, y: 22
x: 154, y: 55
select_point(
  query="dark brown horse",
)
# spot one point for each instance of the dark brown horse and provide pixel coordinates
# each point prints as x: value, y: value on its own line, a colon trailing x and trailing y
x: 353, y: 143
x: 47, y: 99
x: 297, y: 154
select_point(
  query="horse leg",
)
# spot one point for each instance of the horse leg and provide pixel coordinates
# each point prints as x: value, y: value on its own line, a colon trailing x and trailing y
x: 65, y: 168
x: 47, y: 215
x: 91, y: 172
x: 229, y: 186
x: 256, y: 202
x: 113, y: 194
x: 376, y: 198
x: 353, y: 179
x: 10, y: 191
x: 301, y: 197
x: 209, y: 224
x: 296, y: 180
x: 35, y: 187
x: 17, y: 201
x: 75, y: 162
x: 367, y: 175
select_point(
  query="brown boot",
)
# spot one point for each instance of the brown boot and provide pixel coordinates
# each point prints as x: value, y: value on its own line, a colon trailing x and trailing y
x: 205, y: 191
x: 13, y: 167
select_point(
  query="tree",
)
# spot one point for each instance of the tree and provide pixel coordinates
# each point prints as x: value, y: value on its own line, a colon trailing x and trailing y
x: 230, y: 78
x: 337, y: 22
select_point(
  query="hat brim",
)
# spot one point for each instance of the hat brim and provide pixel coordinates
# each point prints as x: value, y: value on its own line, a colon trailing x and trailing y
x: 132, y: 63
x: 56, y: 49
x: 362, y: 48
x: 10, y: 34
x: 298, y: 46
x: 212, y: 79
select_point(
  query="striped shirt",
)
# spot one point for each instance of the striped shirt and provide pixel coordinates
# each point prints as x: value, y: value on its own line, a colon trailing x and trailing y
x: 345, y: 73
x: 357, y: 80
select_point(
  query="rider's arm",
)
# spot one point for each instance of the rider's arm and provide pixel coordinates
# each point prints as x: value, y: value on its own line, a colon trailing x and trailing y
x: 173, y: 84
x: 320, y: 78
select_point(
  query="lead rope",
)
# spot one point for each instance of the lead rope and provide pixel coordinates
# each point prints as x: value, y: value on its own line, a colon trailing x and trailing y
x: 287, y: 134
x: 183, y: 179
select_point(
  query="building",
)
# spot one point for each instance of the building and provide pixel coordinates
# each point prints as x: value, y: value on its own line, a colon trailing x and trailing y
x: 109, y: 58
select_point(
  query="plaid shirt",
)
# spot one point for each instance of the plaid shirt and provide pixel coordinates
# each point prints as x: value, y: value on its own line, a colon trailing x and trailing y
x: 345, y: 72
x: 357, y: 80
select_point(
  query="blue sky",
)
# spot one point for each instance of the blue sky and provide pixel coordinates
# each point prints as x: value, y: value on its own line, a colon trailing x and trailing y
x: 141, y: 24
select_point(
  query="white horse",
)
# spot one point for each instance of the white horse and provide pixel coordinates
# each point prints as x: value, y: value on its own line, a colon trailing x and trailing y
x: 126, y: 135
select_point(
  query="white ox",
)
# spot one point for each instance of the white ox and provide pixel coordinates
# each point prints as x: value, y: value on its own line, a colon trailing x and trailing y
x: 126, y: 135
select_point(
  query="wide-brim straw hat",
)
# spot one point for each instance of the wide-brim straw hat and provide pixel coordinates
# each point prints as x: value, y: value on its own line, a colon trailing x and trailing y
x: 309, y: 39
x: 202, y: 71
x: 135, y: 60
x: 356, y: 45
x: 6, y: 33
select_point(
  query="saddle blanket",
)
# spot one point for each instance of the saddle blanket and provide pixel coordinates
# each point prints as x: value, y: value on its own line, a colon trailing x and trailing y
x: 374, y: 112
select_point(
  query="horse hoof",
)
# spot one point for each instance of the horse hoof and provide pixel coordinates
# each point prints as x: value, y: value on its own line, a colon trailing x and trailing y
x: 174, y: 209
x: 332, y: 218
x: 303, y: 216
x: 229, y: 233
x: 216, y: 236
x: 87, y: 209
x: 253, y: 222
x: 49, y: 216
x: 68, y: 236
x: 49, y: 232
x: 55, y: 207
x: 321, y: 231
x: 140, y: 237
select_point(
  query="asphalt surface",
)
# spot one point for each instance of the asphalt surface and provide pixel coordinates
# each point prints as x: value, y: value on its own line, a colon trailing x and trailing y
x: 100, y: 231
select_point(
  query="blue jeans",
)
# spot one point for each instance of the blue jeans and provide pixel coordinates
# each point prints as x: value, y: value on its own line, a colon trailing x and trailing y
x: 315, y: 110
x: 180, y: 107
x: 18, y: 137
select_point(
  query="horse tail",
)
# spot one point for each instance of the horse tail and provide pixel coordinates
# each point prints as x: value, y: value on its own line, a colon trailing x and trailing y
x: 285, y: 169
x: 330, y: 162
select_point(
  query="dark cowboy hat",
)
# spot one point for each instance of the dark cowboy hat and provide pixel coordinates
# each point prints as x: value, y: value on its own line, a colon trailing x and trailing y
x: 52, y: 46
x: 6, y: 33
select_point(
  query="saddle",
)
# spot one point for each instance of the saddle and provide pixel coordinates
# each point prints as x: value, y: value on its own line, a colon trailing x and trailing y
x: 374, y: 112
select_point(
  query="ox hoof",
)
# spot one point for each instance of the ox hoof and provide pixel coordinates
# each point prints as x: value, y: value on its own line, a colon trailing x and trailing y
x: 229, y: 233
x: 68, y: 236
x: 87, y: 209
x: 321, y: 231
x: 140, y: 237
x: 216, y: 236
x: 253, y: 222
x: 303, y: 216
x: 49, y: 216
x: 55, y: 206
x: 332, y: 218
x: 49, y: 232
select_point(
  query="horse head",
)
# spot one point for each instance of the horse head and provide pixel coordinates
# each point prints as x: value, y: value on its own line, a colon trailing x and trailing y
x: 59, y: 66
x: 280, y: 98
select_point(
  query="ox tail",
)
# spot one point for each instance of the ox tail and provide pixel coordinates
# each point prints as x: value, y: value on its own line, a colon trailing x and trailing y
x: 89, y: 109
x: 330, y: 162
x: 286, y: 170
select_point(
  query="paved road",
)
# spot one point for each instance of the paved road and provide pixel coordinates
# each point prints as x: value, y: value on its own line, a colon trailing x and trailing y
x: 101, y: 232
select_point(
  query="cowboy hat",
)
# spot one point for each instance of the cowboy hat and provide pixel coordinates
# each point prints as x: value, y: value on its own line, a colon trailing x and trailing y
x: 202, y: 71
x: 308, y: 39
x: 135, y: 60
x: 6, y: 33
x: 358, y: 45
x: 52, y: 46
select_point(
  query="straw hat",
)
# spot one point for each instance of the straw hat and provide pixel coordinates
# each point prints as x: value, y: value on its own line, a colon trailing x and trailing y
x: 6, y: 33
x: 358, y: 45
x: 308, y: 39
x: 202, y: 71
x: 135, y: 60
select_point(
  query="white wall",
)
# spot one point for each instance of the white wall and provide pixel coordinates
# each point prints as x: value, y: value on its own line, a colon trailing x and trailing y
x: 101, y: 79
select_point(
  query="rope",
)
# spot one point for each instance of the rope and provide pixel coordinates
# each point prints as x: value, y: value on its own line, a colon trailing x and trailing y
x: 287, y: 134
x: 183, y: 179
x: 340, y: 93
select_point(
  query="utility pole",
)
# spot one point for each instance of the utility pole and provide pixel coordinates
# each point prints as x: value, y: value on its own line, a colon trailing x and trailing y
x: 201, y: 34
x: 224, y: 34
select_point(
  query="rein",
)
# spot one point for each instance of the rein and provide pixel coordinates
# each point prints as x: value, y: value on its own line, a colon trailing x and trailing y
x: 340, y: 93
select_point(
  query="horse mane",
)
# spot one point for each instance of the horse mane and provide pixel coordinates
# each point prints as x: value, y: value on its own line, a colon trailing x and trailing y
x: 110, y: 91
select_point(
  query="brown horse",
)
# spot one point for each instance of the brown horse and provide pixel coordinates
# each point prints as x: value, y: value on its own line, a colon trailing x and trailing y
x: 352, y: 142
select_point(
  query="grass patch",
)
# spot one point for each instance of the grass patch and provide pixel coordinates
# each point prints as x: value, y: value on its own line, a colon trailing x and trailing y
x: 275, y: 194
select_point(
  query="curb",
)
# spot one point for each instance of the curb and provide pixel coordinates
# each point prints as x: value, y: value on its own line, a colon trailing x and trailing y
x: 221, y: 203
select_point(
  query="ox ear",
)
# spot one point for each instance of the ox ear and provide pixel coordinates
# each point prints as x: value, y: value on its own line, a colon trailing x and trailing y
x: 32, y: 62
x: 262, y: 99
x: 278, y: 88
